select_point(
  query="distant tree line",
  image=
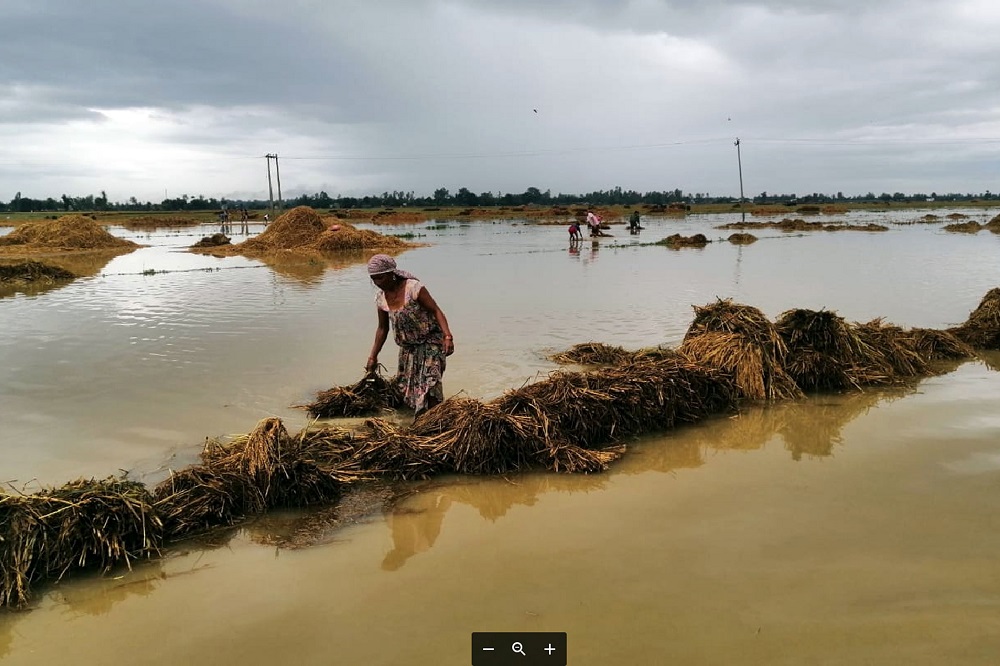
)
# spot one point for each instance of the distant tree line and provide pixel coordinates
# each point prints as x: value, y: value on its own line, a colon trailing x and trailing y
x: 464, y: 198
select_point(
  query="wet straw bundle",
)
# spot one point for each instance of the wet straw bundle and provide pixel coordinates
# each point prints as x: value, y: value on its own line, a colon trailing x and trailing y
x: 262, y: 470
x: 480, y: 438
x: 368, y: 396
x: 896, y: 347
x: 933, y: 345
x: 83, y: 524
x: 982, y: 328
x: 593, y: 408
x: 593, y: 353
x: 32, y: 271
x: 741, y: 341
x: 825, y: 352
x: 388, y: 450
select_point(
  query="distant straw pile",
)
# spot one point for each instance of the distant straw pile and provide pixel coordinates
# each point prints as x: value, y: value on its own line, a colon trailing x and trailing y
x: 32, y: 271
x: 301, y: 230
x: 70, y: 232
x: 84, y: 524
x: 676, y: 241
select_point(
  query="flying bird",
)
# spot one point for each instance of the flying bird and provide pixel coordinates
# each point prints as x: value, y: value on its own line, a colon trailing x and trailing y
x: 535, y: 110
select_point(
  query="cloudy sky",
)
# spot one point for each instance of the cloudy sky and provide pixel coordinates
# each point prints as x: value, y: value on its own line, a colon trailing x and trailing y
x: 147, y: 99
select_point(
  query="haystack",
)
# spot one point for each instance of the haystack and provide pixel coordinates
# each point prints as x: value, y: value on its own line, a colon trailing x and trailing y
x: 982, y: 328
x: 83, y: 524
x: 970, y: 227
x: 369, y: 396
x: 743, y: 343
x: 215, y: 240
x: 68, y: 233
x: 593, y: 353
x: 347, y: 237
x: 742, y: 239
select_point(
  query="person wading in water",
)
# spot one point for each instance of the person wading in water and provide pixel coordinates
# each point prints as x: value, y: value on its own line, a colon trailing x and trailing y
x: 421, y: 332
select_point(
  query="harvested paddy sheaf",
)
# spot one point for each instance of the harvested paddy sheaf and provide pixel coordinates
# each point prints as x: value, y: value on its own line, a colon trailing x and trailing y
x: 982, y: 329
x: 370, y: 395
x: 824, y: 351
x: 993, y: 225
x: 799, y: 224
x: 676, y: 241
x: 935, y: 345
x: 66, y: 234
x: 301, y: 231
x: 898, y: 348
x: 742, y: 239
x: 741, y: 341
x: 157, y: 221
x: 83, y: 524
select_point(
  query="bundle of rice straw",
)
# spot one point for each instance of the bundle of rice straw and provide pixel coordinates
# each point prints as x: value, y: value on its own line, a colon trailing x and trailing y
x: 741, y: 341
x: 898, y: 348
x: 593, y: 408
x: 83, y: 524
x: 262, y: 470
x: 933, y: 345
x: 982, y: 328
x: 825, y: 352
x: 32, y: 271
x: 480, y: 438
x: 399, y: 454
x: 593, y: 353
x: 368, y: 396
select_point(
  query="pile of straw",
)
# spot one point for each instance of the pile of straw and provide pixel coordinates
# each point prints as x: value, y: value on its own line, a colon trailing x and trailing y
x: 970, y: 227
x: 982, y: 328
x: 370, y: 395
x: 83, y: 524
x: 593, y: 353
x: 676, y: 241
x: 299, y: 228
x: 347, y: 237
x: 215, y: 240
x: 742, y: 239
x: 896, y: 347
x: 742, y: 342
x: 70, y: 232
x: 32, y: 271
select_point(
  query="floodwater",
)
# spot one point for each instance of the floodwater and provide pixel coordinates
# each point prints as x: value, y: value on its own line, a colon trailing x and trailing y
x: 840, y: 529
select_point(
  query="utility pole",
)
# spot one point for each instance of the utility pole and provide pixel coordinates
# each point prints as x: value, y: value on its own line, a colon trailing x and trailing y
x: 739, y: 161
x: 270, y: 188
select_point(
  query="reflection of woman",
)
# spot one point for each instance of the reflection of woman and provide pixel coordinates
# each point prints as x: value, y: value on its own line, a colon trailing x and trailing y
x: 414, y: 531
x: 421, y: 331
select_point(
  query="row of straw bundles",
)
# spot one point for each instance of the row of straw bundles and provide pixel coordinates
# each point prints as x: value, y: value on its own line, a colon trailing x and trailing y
x: 982, y: 328
x: 253, y: 473
x: 83, y: 524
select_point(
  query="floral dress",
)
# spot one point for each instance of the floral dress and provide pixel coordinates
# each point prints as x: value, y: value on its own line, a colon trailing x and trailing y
x: 421, y: 348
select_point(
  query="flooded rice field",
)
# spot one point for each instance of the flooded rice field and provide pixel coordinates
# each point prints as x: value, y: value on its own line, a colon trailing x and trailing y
x: 839, y: 529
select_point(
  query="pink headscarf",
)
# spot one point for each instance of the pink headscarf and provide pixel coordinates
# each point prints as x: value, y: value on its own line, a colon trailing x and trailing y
x: 383, y: 263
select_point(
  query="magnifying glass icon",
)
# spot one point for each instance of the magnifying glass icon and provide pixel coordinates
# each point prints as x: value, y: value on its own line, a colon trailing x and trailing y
x: 518, y: 648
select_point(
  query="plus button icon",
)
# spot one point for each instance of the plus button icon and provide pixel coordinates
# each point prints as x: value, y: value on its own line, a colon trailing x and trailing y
x: 550, y: 649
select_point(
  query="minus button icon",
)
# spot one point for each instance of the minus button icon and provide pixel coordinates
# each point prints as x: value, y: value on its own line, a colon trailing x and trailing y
x: 487, y: 649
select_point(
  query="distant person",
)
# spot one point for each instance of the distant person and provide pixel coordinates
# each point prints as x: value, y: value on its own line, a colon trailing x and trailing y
x: 594, y: 223
x: 421, y: 330
x: 633, y: 222
x: 574, y: 232
x: 267, y: 218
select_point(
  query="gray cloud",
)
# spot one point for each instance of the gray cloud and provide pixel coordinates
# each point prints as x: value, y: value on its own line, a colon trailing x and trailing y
x: 568, y: 95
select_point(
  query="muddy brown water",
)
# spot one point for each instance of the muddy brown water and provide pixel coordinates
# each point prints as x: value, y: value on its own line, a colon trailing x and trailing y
x: 840, y: 529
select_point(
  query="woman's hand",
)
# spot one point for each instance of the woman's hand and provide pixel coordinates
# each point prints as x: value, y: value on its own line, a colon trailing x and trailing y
x: 449, y: 345
x: 371, y: 364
